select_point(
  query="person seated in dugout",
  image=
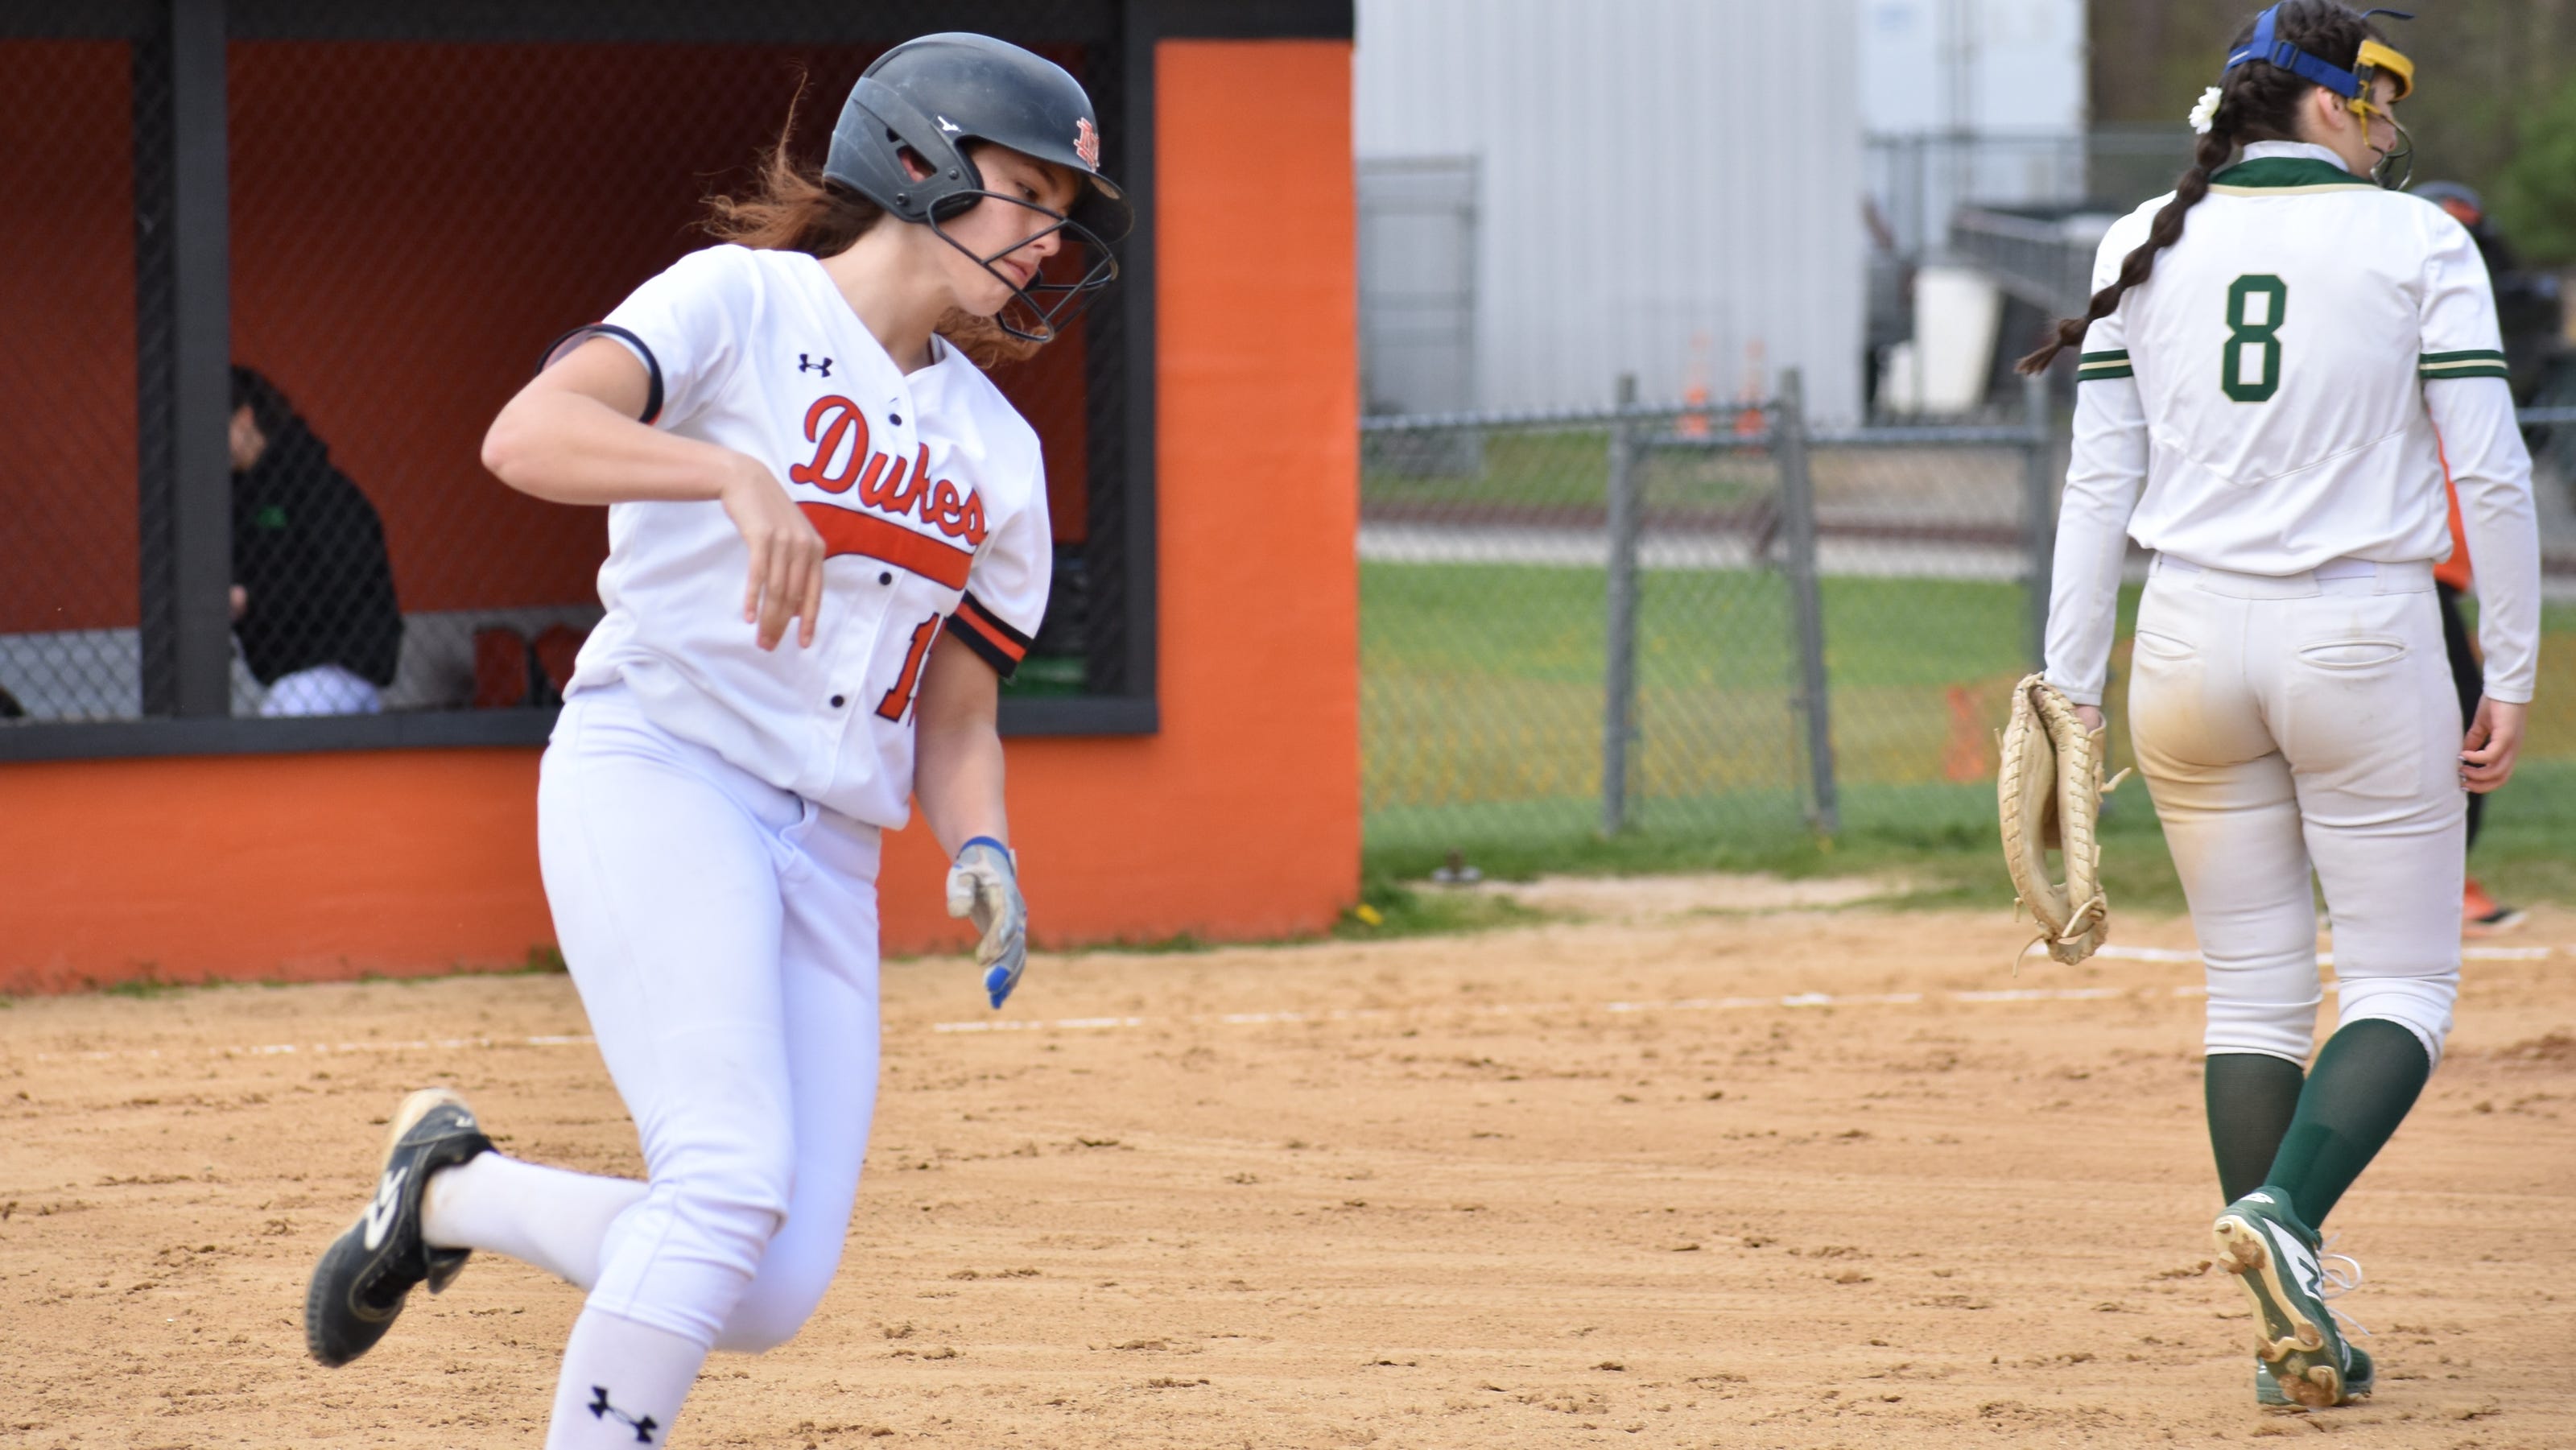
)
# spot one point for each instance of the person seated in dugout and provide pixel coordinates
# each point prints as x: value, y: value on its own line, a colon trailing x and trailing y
x: 313, y: 593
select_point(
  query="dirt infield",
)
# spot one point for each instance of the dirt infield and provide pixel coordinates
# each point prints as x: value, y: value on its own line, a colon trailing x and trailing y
x: 1679, y: 1175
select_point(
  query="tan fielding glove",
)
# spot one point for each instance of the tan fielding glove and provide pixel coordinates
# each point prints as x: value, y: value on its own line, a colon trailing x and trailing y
x: 2050, y: 787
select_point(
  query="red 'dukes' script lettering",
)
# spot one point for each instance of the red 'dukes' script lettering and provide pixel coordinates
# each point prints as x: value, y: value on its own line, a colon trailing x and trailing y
x: 827, y: 426
x: 899, y: 486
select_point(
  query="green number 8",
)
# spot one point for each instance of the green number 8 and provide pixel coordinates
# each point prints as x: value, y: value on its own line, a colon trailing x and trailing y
x: 2265, y: 334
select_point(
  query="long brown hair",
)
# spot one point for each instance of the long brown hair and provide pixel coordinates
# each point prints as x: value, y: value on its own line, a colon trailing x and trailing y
x: 794, y: 208
x: 2258, y: 101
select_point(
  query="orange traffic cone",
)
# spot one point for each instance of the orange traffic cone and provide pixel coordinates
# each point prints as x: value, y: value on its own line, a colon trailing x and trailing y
x: 1693, y: 423
x: 1750, y: 419
x: 1964, y: 758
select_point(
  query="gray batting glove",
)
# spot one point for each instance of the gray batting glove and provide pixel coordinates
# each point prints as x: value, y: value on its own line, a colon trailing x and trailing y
x: 984, y: 886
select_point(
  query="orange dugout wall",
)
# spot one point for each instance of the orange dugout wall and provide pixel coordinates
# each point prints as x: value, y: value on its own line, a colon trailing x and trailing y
x: 1239, y: 818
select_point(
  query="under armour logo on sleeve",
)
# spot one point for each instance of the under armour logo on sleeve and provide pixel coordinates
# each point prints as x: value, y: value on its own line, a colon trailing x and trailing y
x: 601, y: 1409
x: 804, y: 365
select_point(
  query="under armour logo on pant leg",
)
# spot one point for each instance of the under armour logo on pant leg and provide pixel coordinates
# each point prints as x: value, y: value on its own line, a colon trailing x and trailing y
x: 601, y: 1409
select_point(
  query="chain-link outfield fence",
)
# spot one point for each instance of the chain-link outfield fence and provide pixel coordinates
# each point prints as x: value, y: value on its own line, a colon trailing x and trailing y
x: 1731, y: 623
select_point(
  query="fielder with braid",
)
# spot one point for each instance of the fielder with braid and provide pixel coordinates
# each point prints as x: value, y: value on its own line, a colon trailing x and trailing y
x: 2263, y: 373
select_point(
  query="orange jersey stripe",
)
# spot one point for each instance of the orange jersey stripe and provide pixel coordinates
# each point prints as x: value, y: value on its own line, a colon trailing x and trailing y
x: 973, y: 618
x: 847, y: 531
x: 2454, y: 570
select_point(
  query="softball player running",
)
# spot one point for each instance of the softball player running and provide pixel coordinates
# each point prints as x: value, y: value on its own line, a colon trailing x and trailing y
x: 2263, y: 372
x: 828, y: 543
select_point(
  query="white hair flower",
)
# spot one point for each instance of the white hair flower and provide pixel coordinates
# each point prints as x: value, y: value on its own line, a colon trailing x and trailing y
x: 2205, y: 114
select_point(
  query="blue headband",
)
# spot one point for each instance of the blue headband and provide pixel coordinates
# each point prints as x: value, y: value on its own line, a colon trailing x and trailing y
x: 2266, y: 47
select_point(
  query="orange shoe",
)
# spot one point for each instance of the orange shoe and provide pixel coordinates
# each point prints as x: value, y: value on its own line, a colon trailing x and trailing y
x: 2481, y: 915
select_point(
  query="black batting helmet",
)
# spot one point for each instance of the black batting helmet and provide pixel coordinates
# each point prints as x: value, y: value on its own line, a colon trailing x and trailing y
x: 930, y: 97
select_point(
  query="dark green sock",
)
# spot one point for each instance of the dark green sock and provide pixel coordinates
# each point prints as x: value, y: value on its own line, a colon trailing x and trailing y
x: 2251, y: 1097
x: 2367, y: 1076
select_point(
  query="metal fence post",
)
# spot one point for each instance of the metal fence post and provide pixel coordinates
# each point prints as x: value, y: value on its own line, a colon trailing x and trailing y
x: 183, y: 347
x: 1798, y: 532
x: 2038, y: 511
x: 1619, y: 677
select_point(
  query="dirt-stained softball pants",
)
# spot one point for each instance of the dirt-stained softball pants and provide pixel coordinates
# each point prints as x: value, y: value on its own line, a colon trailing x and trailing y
x: 2284, y: 723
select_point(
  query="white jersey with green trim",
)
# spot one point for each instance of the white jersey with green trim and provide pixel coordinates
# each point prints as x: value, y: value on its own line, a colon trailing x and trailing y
x: 2279, y: 394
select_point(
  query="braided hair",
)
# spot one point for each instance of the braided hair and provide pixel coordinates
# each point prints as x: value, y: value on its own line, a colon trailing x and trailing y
x: 2258, y: 101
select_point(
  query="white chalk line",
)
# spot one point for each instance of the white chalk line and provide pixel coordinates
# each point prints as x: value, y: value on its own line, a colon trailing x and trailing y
x: 2326, y: 959
x: 323, y: 1049
x: 2167, y: 955
x: 1223, y: 1019
x: 1511, y: 1009
x: 1694, y: 1004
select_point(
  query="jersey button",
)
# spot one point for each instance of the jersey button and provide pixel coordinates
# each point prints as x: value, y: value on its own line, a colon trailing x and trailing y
x: 839, y: 700
x: 883, y: 577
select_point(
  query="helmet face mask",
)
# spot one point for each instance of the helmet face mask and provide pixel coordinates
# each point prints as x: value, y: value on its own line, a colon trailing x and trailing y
x: 2375, y: 62
x: 2396, y: 166
x: 1062, y: 284
x: 2395, y: 169
x: 927, y: 99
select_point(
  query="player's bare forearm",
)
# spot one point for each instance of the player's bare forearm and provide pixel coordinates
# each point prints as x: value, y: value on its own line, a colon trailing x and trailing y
x: 957, y: 749
x: 568, y: 448
x: 572, y: 436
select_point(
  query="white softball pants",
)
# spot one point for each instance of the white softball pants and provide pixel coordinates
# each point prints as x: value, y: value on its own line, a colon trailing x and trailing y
x: 323, y: 690
x: 2285, y: 724
x: 723, y: 936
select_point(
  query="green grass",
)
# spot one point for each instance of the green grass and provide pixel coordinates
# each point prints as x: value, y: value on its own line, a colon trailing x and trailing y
x: 1567, y: 469
x: 1481, y: 695
x: 542, y: 959
x: 2527, y: 849
x: 1390, y: 908
x: 1945, y: 845
x: 145, y: 985
x: 1481, y: 701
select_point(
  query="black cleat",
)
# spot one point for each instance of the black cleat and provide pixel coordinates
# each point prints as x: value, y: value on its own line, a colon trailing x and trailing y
x: 359, y: 1286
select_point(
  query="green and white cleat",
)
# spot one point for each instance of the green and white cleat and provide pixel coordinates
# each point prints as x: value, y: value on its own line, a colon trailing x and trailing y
x: 2267, y: 1390
x: 2261, y: 1241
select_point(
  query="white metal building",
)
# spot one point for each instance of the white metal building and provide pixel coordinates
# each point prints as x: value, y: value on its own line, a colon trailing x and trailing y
x: 1970, y: 100
x: 1569, y: 190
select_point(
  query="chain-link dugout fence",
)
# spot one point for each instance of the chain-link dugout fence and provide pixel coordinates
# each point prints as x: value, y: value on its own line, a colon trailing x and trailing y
x: 399, y: 207
x: 70, y: 572
x: 1733, y: 622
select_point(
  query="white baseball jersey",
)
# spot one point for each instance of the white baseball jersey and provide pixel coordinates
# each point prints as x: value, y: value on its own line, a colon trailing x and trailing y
x: 928, y: 490
x: 2279, y: 394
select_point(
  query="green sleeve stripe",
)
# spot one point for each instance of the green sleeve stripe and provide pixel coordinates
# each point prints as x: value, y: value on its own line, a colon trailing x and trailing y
x: 2098, y: 366
x: 2090, y: 358
x: 2484, y: 362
